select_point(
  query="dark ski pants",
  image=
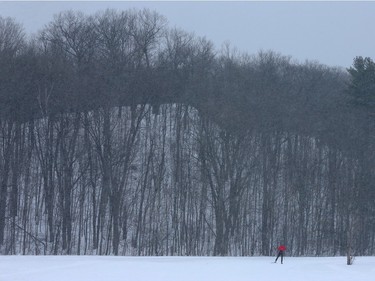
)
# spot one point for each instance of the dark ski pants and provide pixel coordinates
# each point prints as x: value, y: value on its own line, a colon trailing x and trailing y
x: 280, y: 254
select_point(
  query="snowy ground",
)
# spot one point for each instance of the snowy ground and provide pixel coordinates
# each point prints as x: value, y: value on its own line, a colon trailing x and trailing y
x: 96, y: 268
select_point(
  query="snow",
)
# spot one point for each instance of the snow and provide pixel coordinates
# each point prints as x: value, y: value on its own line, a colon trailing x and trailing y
x: 100, y: 268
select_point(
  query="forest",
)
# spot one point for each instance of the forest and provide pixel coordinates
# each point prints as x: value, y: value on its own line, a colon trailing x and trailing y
x: 122, y: 136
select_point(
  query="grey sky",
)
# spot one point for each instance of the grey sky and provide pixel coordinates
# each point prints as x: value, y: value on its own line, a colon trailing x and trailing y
x: 331, y: 33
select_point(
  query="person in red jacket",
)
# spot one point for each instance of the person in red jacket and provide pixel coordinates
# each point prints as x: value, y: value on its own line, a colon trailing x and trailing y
x: 281, y: 249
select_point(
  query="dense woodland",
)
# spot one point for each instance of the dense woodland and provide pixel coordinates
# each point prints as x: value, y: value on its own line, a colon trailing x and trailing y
x: 122, y: 136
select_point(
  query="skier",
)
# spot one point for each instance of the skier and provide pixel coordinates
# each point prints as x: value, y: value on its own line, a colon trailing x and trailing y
x: 281, y: 249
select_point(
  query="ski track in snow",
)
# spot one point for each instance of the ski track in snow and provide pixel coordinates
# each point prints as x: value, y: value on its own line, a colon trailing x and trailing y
x: 100, y: 268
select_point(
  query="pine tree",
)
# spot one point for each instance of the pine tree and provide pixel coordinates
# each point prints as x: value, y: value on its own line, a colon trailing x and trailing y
x: 362, y: 87
x: 362, y: 92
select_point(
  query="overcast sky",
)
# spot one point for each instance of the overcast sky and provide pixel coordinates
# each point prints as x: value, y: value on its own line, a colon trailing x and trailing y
x: 332, y: 33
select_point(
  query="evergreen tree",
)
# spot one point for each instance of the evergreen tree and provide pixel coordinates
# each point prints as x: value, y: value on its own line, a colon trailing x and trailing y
x: 362, y: 87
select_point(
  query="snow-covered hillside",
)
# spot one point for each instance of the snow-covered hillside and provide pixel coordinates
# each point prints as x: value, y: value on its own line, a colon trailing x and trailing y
x: 99, y: 268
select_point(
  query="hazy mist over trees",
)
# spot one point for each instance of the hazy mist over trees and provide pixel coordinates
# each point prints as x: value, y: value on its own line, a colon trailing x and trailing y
x: 122, y: 136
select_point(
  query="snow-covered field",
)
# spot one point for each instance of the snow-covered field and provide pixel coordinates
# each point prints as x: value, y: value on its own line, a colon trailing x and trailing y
x: 99, y: 268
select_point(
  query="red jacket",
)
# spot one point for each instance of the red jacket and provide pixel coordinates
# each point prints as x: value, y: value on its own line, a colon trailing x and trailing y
x: 281, y: 248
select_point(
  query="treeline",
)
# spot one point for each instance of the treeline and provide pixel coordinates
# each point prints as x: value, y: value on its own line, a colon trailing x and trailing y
x: 121, y: 136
